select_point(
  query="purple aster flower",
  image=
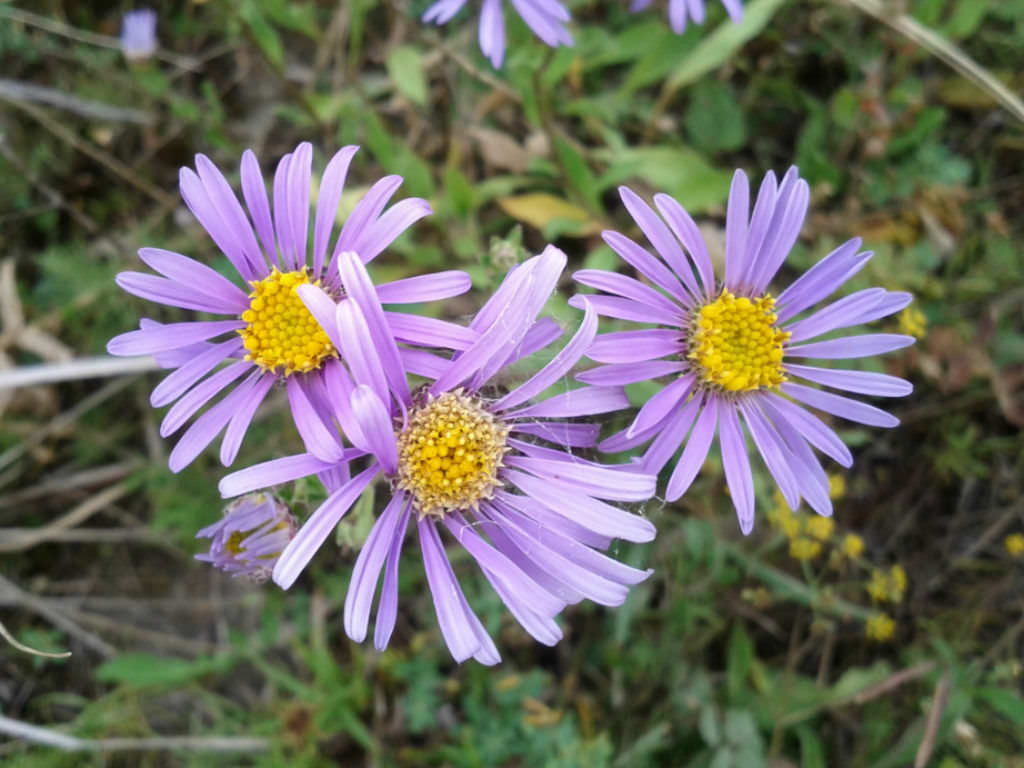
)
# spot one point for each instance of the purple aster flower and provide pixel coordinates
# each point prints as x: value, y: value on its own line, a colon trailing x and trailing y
x: 732, y: 347
x: 138, y: 34
x: 250, y: 536
x: 547, y: 19
x: 269, y: 335
x: 464, y: 455
x: 682, y: 11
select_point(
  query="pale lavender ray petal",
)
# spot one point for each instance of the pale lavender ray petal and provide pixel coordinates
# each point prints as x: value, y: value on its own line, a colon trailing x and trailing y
x: 589, y: 512
x: 542, y: 333
x: 318, y: 527
x: 865, y: 345
x: 549, y: 519
x: 628, y: 288
x: 190, y: 372
x: 433, y: 287
x: 199, y: 395
x: 543, y: 629
x: 209, y: 425
x: 735, y: 10
x: 559, y: 366
x: 501, y: 297
x: 822, y: 279
x: 661, y: 404
x: 760, y: 221
x: 502, y: 567
x: 678, y: 14
x: 338, y: 388
x: 170, y: 293
x: 198, y: 202
x: 561, y: 433
x: 671, y: 433
x: 241, y: 419
x: 585, y: 401
x: 661, y: 238
x: 736, y: 212
x: 385, y: 230
x: 367, y: 210
x: 684, y: 228
x: 629, y: 373
x: 620, y: 442
x: 230, y: 211
x: 163, y: 338
x: 255, y: 194
x: 491, y: 32
x: 547, y: 20
x: 422, y: 363
x: 764, y: 250
x: 813, y: 429
x: 773, y: 451
x: 643, y: 262
x: 300, y: 173
x: 323, y: 309
x: 697, y: 10
x: 837, y: 405
x: 200, y: 277
x: 268, y: 473
x: 635, y: 346
x: 334, y: 477
x: 625, y: 309
x: 429, y: 331
x: 592, y: 479
x: 358, y: 351
x: 862, y: 382
x: 442, y: 11
x: 332, y: 184
x: 458, y: 632
x: 838, y: 314
x: 737, y: 467
x: 360, y: 289
x: 377, y: 428
x: 695, y: 451
x: 285, y: 243
x: 784, y: 236
x: 366, y: 572
x: 387, y: 606
x: 892, y: 302
x: 317, y: 437
x: 810, y: 476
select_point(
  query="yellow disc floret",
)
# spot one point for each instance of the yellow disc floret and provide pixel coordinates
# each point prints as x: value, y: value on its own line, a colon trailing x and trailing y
x: 281, y: 335
x: 449, y: 454
x: 736, y: 345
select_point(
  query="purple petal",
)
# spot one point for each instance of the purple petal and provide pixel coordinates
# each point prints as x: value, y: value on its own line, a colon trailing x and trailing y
x: 661, y: 404
x: 644, y: 263
x: 331, y: 187
x: 695, y: 451
x: 338, y: 389
x: 422, y: 363
x: 893, y: 302
x: 269, y: 473
x: 851, y: 346
x: 547, y: 20
x: 190, y: 372
x: 591, y: 479
x: 170, y: 293
x: 559, y: 366
x: 585, y: 401
x: 285, y: 244
x: 736, y: 213
x: 411, y: 290
x: 162, y: 338
x: 661, y: 238
x: 318, y: 439
x: 358, y: 351
x: 737, y: 467
x: 809, y: 475
x: 774, y: 453
x: 366, y: 572
x: 811, y: 428
x: 684, y: 228
x: 255, y: 193
x: 542, y: 333
x: 670, y: 434
x: 491, y: 32
x: 367, y: 210
x: 620, y: 442
x: 863, y: 382
x: 230, y: 212
x: 200, y: 277
x: 837, y: 405
x: 822, y: 279
x: 442, y: 11
x: 629, y: 373
x: 376, y: 426
x: 625, y: 309
x: 839, y: 314
x: 241, y: 419
x: 548, y: 519
x: 591, y: 513
x: 635, y: 346
x: 429, y: 331
x: 300, y: 174
x: 323, y: 309
x: 318, y: 527
x: 561, y: 433
x: 385, y: 230
x: 387, y: 607
x: 786, y: 225
x: 209, y: 425
x: 628, y: 288
x: 197, y: 397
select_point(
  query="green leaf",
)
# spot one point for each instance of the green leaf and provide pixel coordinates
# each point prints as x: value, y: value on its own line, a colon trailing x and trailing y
x: 580, y: 175
x: 812, y: 752
x: 714, y: 120
x: 1007, y: 703
x: 141, y: 669
x: 740, y: 658
x: 678, y: 171
x: 721, y: 45
x: 405, y: 67
x: 262, y: 32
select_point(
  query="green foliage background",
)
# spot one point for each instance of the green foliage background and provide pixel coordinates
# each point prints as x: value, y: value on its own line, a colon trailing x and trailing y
x: 733, y: 653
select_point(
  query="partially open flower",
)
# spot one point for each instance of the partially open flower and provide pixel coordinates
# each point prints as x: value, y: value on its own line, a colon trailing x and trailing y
x: 138, y: 34
x: 250, y: 537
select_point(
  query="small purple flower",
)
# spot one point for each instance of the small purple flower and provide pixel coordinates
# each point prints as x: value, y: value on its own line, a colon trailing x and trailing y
x: 270, y: 334
x: 682, y: 11
x: 464, y: 454
x: 732, y: 346
x: 547, y: 19
x: 250, y: 536
x: 138, y: 34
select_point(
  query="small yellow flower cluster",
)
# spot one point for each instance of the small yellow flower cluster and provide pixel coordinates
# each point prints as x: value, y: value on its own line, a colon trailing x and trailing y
x: 913, y: 322
x: 887, y: 587
x: 852, y: 546
x: 880, y: 627
x: 806, y: 533
x: 1015, y: 544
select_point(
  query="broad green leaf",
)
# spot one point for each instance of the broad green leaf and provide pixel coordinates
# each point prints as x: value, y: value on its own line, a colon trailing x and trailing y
x: 405, y: 67
x: 718, y: 47
x: 740, y: 657
x: 147, y: 669
x: 262, y: 32
x: 677, y: 171
x: 714, y: 119
x: 1007, y: 703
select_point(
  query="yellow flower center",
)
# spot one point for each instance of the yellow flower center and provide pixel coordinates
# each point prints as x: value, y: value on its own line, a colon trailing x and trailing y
x: 449, y: 454
x: 280, y: 332
x: 736, y: 344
